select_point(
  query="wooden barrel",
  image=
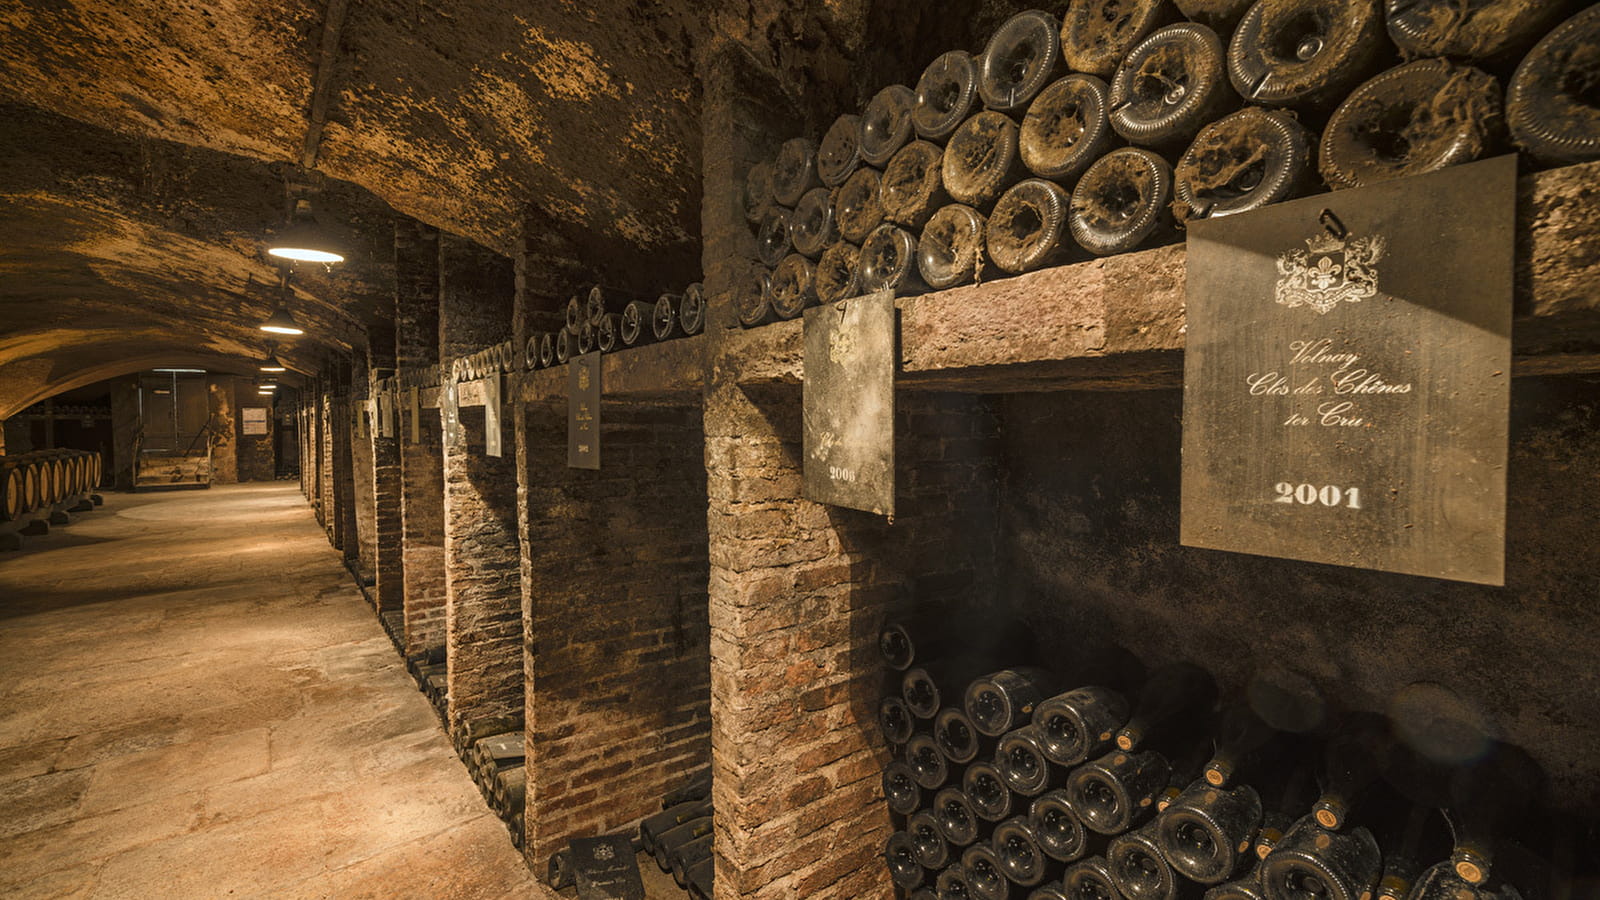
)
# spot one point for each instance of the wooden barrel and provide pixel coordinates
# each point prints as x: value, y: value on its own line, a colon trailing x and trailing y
x: 96, y: 471
x: 54, y: 481
x: 32, y: 488
x: 74, y: 466
x: 12, y: 499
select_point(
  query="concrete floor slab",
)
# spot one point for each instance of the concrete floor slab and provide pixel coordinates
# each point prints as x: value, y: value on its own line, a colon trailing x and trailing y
x: 200, y: 704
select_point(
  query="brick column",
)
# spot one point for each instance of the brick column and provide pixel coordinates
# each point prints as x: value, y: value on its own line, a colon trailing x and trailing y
x: 363, y: 486
x: 483, y: 591
x: 325, y: 484
x: 416, y: 255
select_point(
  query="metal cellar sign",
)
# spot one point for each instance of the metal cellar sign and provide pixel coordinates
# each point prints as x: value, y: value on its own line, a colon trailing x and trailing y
x: 583, y: 411
x: 415, y: 415
x: 491, y: 416
x: 848, y: 398
x: 607, y: 868
x: 1347, y: 377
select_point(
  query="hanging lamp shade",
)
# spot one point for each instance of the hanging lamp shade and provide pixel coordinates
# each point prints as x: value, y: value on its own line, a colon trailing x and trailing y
x: 305, y: 240
x: 271, y: 364
x: 281, y: 322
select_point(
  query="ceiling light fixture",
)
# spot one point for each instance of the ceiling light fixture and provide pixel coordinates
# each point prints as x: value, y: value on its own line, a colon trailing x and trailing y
x: 271, y: 364
x: 180, y: 371
x: 304, y: 239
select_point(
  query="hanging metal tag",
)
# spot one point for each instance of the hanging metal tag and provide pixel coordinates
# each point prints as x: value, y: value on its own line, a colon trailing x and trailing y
x: 1347, y: 376
x: 583, y: 411
x: 607, y: 868
x: 491, y: 416
x: 848, y: 398
x: 449, y: 412
x: 416, y: 416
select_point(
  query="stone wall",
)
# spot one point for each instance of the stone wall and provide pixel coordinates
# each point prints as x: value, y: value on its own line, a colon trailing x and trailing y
x: 256, y: 461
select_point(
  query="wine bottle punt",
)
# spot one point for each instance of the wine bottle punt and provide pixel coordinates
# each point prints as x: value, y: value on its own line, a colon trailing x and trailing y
x: 607, y: 333
x: 1553, y: 101
x: 692, y: 309
x: 1206, y: 834
x: 794, y: 171
x: 900, y: 788
x: 1066, y: 128
x: 837, y: 273
x: 927, y: 843
x: 1122, y: 202
x: 982, y: 160
x: 1003, y: 700
x: 793, y: 286
x: 574, y: 311
x: 547, y: 350
x: 1090, y: 879
x: 1022, y: 56
x: 1021, y: 858
x: 1060, y: 833
x: 1310, y: 860
x: 840, y: 151
x: 1080, y: 723
x: 587, y: 337
x: 752, y: 299
x: 1305, y: 53
x: 985, y: 874
x: 1097, y: 35
x: 1244, y: 161
x: 1170, y: 86
x: 918, y: 638
x: 1115, y: 792
x: 958, y: 739
x: 530, y: 354
x: 895, y: 720
x: 856, y: 209
x: 986, y: 790
x: 1028, y: 227
x: 904, y: 868
x: 1486, y: 31
x: 1419, y: 117
x: 1139, y: 869
x: 952, y: 884
x: 928, y: 765
x: 957, y: 820
x: 811, y: 227
x: 664, y: 316
x: 912, y: 187
x: 637, y: 317
x: 950, y: 250
x: 886, y: 124
x: 757, y: 192
x: 772, y: 241
x: 946, y: 95
x: 888, y: 261
x: 566, y: 345
x: 1019, y: 756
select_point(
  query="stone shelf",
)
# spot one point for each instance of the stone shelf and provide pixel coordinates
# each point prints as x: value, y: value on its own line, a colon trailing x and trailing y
x: 670, y: 369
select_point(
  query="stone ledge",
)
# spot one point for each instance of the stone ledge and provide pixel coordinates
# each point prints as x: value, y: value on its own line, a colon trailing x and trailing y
x: 667, y: 369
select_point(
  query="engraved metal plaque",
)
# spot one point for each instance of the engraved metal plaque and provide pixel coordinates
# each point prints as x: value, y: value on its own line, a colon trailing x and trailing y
x: 607, y: 868
x: 1347, y: 377
x: 583, y: 411
x: 385, y: 414
x: 449, y: 412
x: 848, y: 395
x: 491, y: 416
x: 416, y: 416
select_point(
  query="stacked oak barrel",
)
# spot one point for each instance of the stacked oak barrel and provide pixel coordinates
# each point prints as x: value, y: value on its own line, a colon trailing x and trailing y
x: 605, y: 320
x: 39, y: 481
x: 1029, y: 783
x: 1109, y: 129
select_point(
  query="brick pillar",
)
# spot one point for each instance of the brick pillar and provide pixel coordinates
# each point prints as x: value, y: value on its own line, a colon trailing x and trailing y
x: 483, y: 619
x: 416, y: 255
x: 390, y: 561
x: 124, y: 424
x: 363, y: 488
x: 325, y: 491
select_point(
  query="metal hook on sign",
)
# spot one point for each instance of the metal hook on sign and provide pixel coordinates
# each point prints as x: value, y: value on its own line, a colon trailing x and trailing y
x: 1332, y: 224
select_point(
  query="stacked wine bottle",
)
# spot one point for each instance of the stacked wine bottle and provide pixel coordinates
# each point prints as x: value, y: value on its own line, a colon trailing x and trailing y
x: 603, y: 320
x: 1005, y: 786
x: 1110, y: 129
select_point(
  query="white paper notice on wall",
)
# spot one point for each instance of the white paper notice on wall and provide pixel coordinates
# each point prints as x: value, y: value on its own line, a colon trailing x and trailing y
x: 491, y: 416
x: 254, y: 419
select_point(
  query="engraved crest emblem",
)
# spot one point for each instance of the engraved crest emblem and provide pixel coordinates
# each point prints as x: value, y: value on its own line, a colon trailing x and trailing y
x: 604, y: 852
x: 1329, y: 271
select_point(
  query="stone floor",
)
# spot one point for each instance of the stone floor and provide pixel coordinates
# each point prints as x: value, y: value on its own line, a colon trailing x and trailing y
x: 195, y: 701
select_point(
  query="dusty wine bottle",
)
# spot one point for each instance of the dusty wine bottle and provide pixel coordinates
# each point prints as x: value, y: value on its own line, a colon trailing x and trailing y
x: 1028, y: 227
x: 672, y: 817
x: 1349, y: 768
x: 1553, y: 101
x: 794, y: 171
x: 687, y: 856
x: 957, y: 821
x: 1245, y: 887
x: 1019, y: 756
x: 1170, y: 86
x: 952, y: 884
x: 1090, y: 879
x: 986, y: 790
x: 566, y: 345
x: 900, y: 788
x: 1242, y: 741
x: 981, y: 160
x: 670, y: 841
x: 587, y: 336
x: 836, y: 275
x: 1022, y: 56
x: 1176, y: 697
x: 912, y: 187
x: 1122, y: 202
x: 1066, y: 128
x: 664, y: 316
x: 772, y: 241
x: 924, y: 685
x: 692, y: 309
x: 752, y: 299
x: 1485, y: 797
x: 1487, y: 31
x: 1339, y: 865
x: 1003, y: 700
x: 1420, y: 117
x: 985, y: 874
x: 1021, y: 858
x: 895, y: 720
x: 957, y: 738
x: 1221, y: 15
x: 1305, y: 53
x: 811, y: 227
x: 856, y: 210
x: 950, y: 250
x: 635, y: 322
x: 1139, y: 869
x: 1050, y: 891
x: 928, y: 765
x: 757, y: 192
x: 1080, y: 723
x: 904, y: 868
x: 888, y: 261
x: 1117, y: 791
x: 1057, y: 828
x: 793, y: 286
x: 606, y: 333
x: 1243, y: 161
x: 1096, y: 35
x: 886, y: 124
x: 1440, y: 882
x: 946, y: 95
x: 1408, y: 833
x: 1206, y: 834
x: 927, y: 843
x: 547, y: 350
x: 574, y: 312
x: 840, y: 151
